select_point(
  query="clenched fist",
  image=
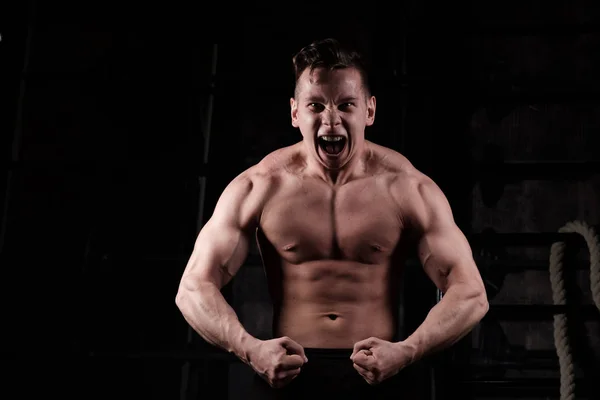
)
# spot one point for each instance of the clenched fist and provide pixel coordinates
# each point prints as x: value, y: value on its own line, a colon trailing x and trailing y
x: 277, y: 361
x: 377, y: 360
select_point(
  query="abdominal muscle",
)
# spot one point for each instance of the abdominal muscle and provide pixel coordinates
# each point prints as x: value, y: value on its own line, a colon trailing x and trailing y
x: 334, y: 304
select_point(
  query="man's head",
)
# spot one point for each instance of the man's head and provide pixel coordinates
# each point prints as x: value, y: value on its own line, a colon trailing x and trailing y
x: 329, y: 54
x: 332, y: 101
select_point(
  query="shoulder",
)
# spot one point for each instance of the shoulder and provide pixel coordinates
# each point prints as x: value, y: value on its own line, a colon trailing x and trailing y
x: 384, y: 161
x: 271, y: 168
x: 418, y: 197
x: 397, y: 170
x: 250, y: 189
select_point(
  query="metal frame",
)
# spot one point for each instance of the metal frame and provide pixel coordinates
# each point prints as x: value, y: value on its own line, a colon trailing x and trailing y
x: 202, y: 180
x: 18, y: 131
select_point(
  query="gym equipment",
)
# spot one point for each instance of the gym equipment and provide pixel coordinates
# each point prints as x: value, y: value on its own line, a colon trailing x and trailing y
x: 561, y: 338
x: 493, y: 172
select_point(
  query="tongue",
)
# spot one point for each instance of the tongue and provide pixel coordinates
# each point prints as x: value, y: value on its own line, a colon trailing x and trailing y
x: 330, y: 148
x: 334, y: 147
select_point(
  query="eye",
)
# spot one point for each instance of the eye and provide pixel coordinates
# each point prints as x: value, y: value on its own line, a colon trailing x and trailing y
x: 345, y: 106
x: 316, y: 107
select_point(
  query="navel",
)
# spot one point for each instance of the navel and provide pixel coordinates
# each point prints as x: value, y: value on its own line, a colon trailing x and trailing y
x: 289, y: 247
x: 376, y: 248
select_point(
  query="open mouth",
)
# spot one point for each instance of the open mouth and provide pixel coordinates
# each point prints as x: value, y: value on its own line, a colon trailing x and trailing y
x: 332, y: 145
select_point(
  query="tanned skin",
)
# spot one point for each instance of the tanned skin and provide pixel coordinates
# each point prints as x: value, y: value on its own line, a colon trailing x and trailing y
x: 333, y: 232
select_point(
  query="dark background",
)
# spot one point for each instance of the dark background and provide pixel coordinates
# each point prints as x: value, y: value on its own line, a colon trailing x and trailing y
x: 107, y: 176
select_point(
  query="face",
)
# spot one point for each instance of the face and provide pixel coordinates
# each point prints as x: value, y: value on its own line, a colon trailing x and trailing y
x: 331, y: 109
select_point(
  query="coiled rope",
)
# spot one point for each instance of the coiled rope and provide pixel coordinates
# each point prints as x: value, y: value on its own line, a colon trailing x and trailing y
x: 561, y: 340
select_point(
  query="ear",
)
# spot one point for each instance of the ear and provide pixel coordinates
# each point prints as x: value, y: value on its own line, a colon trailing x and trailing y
x: 294, y: 112
x: 371, y: 105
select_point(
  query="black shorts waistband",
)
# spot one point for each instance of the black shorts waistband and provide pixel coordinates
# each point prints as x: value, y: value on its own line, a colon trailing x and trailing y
x: 328, y: 353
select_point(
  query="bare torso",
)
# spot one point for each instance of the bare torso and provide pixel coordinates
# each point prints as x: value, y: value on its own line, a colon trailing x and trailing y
x: 332, y: 255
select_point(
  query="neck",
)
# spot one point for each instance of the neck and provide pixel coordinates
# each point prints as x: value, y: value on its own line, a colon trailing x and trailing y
x: 355, y: 167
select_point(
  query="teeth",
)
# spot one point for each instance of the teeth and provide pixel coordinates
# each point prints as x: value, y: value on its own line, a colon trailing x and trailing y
x: 332, y: 138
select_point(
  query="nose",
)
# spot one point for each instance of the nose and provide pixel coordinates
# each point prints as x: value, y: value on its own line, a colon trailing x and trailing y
x: 331, y: 118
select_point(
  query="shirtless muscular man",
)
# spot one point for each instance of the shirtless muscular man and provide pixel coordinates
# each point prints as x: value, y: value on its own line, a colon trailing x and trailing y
x: 334, y: 217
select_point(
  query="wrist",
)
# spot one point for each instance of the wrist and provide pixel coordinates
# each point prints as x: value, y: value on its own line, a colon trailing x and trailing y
x: 407, y: 352
x: 244, y: 346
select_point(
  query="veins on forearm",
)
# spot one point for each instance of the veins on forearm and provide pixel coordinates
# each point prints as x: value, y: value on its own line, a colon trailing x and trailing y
x: 447, y: 322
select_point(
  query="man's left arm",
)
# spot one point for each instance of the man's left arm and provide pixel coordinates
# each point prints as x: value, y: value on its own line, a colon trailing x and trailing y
x: 447, y: 259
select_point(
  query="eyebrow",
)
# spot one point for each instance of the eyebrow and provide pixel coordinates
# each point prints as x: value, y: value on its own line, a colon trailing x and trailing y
x: 318, y: 99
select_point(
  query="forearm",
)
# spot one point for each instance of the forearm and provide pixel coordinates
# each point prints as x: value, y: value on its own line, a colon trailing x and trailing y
x: 209, y: 314
x: 448, y: 321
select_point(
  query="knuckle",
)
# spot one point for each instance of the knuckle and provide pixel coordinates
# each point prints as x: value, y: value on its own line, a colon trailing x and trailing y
x: 280, y: 375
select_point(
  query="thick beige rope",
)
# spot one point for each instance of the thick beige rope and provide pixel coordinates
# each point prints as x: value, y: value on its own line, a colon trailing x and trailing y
x: 561, y: 340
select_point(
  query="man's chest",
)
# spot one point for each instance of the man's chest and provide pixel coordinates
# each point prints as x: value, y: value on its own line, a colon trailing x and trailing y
x: 357, y: 222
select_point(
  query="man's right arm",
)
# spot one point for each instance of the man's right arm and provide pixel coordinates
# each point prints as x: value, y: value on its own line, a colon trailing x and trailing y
x: 220, y: 250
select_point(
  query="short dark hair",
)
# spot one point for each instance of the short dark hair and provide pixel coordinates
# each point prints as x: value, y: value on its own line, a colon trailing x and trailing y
x: 330, y: 53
